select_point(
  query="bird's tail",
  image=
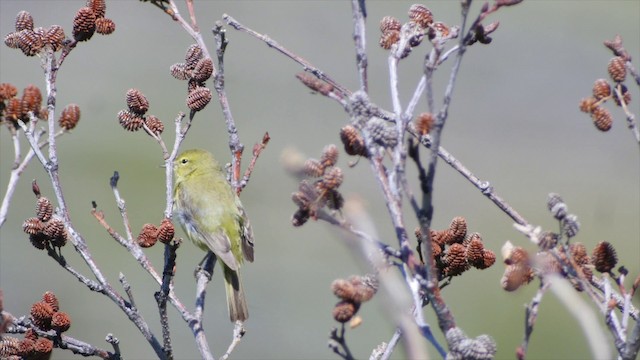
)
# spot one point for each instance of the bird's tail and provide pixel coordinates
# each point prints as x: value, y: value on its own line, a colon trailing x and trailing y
x: 235, y: 295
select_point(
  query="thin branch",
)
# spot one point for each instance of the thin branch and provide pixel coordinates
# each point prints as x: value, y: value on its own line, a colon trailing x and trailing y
x: 359, y: 37
x: 631, y: 119
x: 235, y: 145
x: 531, y: 315
x: 307, y: 66
x: 16, y: 172
x: 238, y: 333
x: 338, y: 343
x: 257, y: 150
x: 78, y: 347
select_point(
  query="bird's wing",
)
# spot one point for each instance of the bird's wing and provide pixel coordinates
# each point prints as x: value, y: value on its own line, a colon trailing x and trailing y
x: 246, y: 234
x: 212, y: 234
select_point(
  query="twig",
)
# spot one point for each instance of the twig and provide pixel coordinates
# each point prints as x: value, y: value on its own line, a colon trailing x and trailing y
x: 16, y: 172
x: 127, y: 289
x: 22, y: 324
x: 238, y: 333
x: 162, y: 295
x: 531, y: 315
x: 273, y: 44
x: 121, y: 204
x: 359, y: 31
x: 338, y: 343
x: 181, y: 132
x: 235, y: 145
x: 257, y: 150
x: 393, y: 342
x: 631, y: 120
x: 203, y: 276
x: 115, y: 342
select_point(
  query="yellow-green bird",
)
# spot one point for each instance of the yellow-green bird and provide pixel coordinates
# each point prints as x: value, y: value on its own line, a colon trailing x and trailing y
x: 212, y: 216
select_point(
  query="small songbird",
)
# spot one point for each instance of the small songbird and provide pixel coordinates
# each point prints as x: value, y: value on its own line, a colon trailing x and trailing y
x: 212, y: 216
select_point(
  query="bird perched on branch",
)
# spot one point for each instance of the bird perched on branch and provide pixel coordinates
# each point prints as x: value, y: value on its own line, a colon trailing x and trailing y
x: 212, y: 216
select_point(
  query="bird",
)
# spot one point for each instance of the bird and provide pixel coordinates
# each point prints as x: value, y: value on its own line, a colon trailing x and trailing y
x: 213, y: 218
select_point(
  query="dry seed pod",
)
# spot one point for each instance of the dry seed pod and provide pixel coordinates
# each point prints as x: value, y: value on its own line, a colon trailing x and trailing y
x: 148, y: 236
x: 44, y: 209
x: 601, y: 89
x: 99, y: 7
x: 166, y: 231
x: 12, y: 40
x: 137, y: 102
x: 54, y: 37
x: 335, y: 201
x: 548, y: 240
x: 9, y: 348
x: 587, y: 104
x: 556, y: 206
x: 617, y: 69
x: 38, y: 240
x: 42, y: 347
x: 105, y: 26
x: 300, y: 199
x: 343, y: 289
x: 29, y: 42
x: 421, y: 15
x: 13, y: 111
x: 154, y: 124
x: 475, y: 252
x: 344, y: 311
x: 313, y: 168
x: 489, y: 259
x: 579, y: 253
x: 25, y: 348
x: 203, y: 70
x: 424, y: 122
x: 53, y: 228
x: 458, y: 228
x: 60, y: 322
x: 51, y: 299
x: 130, y: 121
x: 199, y: 98
x: 179, y: 71
x: 365, y: 287
x: 41, y: 313
x: 314, y: 83
x: 439, y: 31
x: 604, y: 257
x: 352, y: 141
x: 389, y: 23
x: 69, y: 117
x: 515, y: 276
x: 300, y: 217
x: 24, y: 21
x: 31, y: 99
x: 329, y: 155
x: 455, y: 260
x: 84, y: 24
x: 194, y: 54
x: 332, y: 179
x: 389, y: 38
x: 7, y: 91
x: 32, y: 226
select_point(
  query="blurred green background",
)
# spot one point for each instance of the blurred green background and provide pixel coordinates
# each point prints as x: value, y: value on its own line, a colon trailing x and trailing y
x: 514, y: 121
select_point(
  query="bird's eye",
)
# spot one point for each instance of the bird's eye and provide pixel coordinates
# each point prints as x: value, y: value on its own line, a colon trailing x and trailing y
x: 184, y: 161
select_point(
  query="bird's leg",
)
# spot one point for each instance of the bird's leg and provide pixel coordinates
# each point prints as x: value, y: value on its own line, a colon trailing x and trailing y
x: 206, y: 265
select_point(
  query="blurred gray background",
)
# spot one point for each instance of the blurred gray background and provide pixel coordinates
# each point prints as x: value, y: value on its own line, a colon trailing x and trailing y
x: 514, y: 121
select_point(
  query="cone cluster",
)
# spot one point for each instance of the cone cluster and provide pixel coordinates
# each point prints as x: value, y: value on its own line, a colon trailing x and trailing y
x: 455, y: 251
x: 352, y: 293
x: 319, y: 188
